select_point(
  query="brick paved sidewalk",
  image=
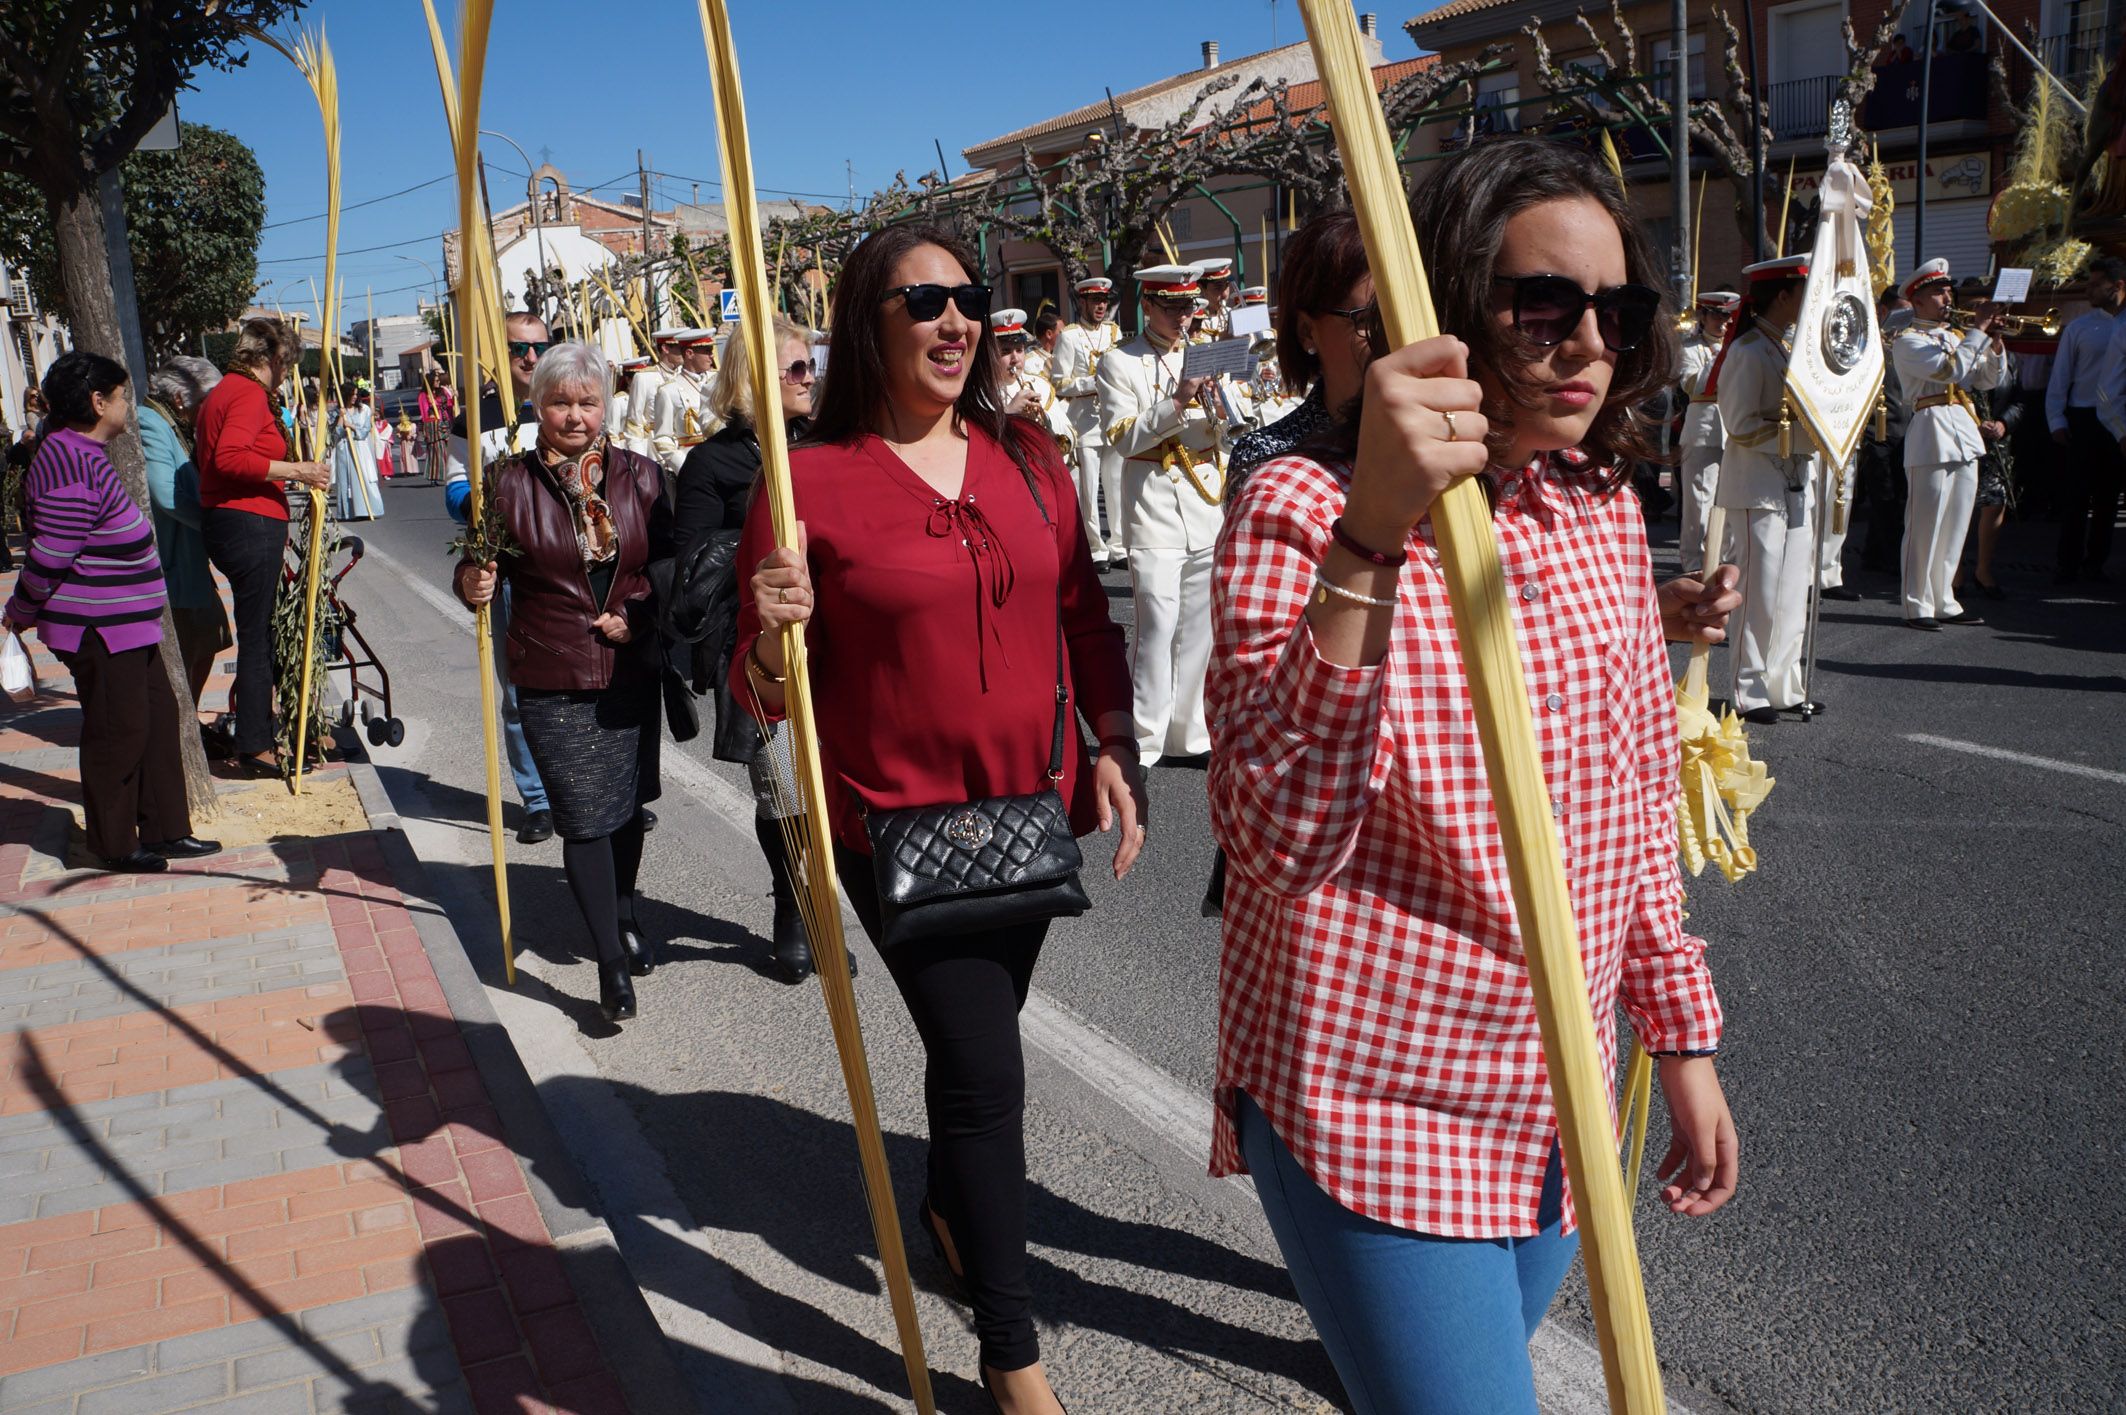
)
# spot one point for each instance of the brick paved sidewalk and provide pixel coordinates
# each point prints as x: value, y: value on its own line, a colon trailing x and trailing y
x: 247, y: 1163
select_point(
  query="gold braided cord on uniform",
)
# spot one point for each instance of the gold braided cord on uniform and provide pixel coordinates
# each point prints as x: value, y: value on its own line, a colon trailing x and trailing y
x: 1173, y: 452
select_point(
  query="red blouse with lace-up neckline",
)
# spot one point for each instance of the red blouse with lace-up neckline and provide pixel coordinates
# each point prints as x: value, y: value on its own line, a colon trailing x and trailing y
x: 933, y: 640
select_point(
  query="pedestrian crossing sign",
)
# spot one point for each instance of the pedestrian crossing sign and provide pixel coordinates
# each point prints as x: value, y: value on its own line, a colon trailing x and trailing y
x: 729, y: 311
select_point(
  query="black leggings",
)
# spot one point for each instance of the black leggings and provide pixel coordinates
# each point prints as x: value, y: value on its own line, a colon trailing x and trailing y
x: 964, y: 994
x: 248, y: 549
x: 601, y: 873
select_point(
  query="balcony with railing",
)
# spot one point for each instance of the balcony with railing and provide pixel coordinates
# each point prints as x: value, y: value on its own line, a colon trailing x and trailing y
x: 1956, y: 91
x: 2073, y: 55
x: 1800, y: 108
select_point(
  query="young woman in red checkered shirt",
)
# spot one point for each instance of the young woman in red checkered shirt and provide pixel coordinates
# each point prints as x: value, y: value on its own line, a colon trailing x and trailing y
x: 1380, y: 1072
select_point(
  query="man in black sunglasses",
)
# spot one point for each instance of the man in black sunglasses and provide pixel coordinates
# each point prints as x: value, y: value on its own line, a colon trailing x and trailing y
x: 1171, y: 433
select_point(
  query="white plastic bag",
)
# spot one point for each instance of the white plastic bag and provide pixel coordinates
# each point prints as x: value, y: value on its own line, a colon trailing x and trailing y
x: 18, y: 676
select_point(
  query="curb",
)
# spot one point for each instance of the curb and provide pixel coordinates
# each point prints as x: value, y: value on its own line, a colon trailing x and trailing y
x: 634, y: 1344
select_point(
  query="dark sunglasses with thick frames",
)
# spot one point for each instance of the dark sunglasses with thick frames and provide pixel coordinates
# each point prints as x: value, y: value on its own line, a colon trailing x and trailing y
x: 518, y: 348
x: 1547, y: 308
x: 927, y: 302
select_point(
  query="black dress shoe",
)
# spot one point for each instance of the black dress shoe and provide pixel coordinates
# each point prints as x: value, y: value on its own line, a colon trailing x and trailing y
x: 1805, y: 709
x: 641, y: 958
x: 1932, y: 626
x: 1763, y: 717
x: 1845, y: 593
x: 140, y: 862
x: 189, y: 847
x: 538, y: 827
x: 648, y: 818
x: 616, y: 992
x: 1968, y: 616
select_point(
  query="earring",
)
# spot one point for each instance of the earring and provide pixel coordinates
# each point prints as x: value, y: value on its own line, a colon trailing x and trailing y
x: 1310, y: 350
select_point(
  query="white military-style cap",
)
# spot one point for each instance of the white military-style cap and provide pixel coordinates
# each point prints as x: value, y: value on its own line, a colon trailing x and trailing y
x: 1786, y: 267
x: 1006, y: 323
x: 1726, y: 301
x: 1255, y: 295
x: 1095, y: 285
x: 1935, y: 271
x: 1168, y: 282
x: 693, y: 337
x: 670, y: 334
x: 1217, y: 268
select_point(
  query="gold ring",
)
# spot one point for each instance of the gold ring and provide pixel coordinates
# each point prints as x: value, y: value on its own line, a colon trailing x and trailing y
x: 782, y: 596
x: 1450, y: 423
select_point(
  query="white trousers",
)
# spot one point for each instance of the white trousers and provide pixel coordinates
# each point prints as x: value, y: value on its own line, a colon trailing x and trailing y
x: 1833, y: 562
x: 1701, y: 475
x: 1085, y: 471
x: 1937, y: 518
x: 1775, y: 549
x: 1111, y: 492
x: 1171, y: 650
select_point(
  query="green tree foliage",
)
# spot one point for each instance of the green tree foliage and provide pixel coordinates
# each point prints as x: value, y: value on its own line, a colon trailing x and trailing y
x: 192, y: 219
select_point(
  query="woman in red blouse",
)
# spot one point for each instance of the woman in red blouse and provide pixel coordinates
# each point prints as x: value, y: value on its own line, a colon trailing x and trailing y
x: 1379, y: 1069
x: 243, y: 464
x: 940, y: 545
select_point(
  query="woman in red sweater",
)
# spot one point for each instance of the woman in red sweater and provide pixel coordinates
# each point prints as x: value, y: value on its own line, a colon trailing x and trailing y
x: 242, y: 458
x: 941, y: 546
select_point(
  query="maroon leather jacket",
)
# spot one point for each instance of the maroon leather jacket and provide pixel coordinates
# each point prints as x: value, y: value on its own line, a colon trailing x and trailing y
x: 551, y: 643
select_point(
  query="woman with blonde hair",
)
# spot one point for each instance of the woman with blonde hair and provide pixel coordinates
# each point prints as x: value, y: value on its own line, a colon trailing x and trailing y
x: 244, y: 462
x: 716, y: 485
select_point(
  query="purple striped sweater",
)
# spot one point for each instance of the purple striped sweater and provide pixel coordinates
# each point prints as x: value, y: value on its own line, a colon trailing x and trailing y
x: 92, y: 560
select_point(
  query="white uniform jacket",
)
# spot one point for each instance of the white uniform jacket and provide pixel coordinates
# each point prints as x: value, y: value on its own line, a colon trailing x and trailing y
x: 642, y: 408
x: 1078, y: 351
x: 683, y: 419
x: 1173, y: 480
x: 1930, y: 359
x: 616, y: 417
x: 1051, y: 413
x: 1753, y: 476
x: 1701, y: 421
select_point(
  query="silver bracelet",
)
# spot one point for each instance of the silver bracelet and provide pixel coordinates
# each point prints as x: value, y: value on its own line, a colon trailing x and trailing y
x: 1321, y: 583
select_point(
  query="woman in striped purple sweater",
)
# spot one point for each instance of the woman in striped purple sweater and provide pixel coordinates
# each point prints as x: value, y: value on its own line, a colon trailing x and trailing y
x: 92, y: 587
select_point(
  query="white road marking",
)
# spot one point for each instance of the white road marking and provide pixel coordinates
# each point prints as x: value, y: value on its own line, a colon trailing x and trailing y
x: 1568, y: 1366
x: 2094, y: 773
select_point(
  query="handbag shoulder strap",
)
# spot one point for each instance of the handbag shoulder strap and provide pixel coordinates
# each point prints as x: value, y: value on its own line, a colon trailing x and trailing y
x: 1056, y: 739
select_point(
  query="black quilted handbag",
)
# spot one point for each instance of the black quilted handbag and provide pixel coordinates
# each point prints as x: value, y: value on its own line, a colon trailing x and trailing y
x: 971, y: 866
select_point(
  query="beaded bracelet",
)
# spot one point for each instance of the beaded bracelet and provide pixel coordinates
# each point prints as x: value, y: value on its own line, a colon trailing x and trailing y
x: 1324, y: 589
x: 1345, y: 539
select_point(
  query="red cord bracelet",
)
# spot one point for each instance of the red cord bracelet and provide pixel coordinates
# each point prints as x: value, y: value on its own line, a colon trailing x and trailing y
x: 1345, y: 539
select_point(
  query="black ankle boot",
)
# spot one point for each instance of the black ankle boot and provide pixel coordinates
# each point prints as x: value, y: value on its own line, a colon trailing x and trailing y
x: 616, y: 991
x: 793, y: 947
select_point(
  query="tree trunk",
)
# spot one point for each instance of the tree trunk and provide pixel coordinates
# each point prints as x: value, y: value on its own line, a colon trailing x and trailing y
x: 92, y: 316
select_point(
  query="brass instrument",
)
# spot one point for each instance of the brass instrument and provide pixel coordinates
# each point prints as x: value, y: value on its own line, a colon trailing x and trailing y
x: 2046, y: 325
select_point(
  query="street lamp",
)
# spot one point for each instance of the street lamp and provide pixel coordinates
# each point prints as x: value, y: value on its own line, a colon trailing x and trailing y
x: 531, y: 193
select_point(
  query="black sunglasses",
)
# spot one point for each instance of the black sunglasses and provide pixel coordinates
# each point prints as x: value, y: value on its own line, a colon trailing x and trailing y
x: 518, y: 348
x: 927, y: 302
x: 1547, y: 308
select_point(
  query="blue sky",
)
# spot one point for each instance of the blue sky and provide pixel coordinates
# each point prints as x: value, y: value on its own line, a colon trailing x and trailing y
x: 827, y: 82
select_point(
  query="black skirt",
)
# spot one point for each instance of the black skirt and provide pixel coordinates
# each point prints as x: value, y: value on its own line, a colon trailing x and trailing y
x: 596, y: 752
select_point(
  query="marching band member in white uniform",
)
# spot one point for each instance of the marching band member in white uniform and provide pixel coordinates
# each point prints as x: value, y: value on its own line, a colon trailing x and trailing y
x: 1703, y: 436
x: 1172, y: 495
x: 1078, y: 351
x: 1214, y: 280
x: 683, y: 420
x: 1025, y: 388
x: 623, y: 375
x: 1770, y: 491
x: 1936, y: 366
x: 636, y: 436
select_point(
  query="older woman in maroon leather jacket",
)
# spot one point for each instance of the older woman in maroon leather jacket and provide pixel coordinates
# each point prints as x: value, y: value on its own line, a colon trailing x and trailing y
x: 586, y: 519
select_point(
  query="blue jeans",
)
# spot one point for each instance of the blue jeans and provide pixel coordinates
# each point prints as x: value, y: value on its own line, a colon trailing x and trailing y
x: 1416, y: 1325
x: 530, y: 789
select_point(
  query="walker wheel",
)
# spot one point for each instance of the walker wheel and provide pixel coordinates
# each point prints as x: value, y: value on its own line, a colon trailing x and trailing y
x: 395, y: 734
x: 378, y: 728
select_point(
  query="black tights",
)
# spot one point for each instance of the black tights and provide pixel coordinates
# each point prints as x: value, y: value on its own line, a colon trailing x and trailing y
x: 601, y: 873
x: 964, y: 994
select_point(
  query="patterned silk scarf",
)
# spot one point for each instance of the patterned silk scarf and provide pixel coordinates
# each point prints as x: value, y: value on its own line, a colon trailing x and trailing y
x: 581, y: 479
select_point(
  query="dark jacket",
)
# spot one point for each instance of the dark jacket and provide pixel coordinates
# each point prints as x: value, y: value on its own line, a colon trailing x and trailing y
x: 551, y: 642
x: 716, y: 484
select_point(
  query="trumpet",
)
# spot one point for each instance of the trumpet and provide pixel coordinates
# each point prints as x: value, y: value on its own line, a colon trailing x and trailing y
x: 2046, y: 324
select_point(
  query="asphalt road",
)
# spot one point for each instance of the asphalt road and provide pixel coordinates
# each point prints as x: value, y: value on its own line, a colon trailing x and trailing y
x: 1922, y: 1053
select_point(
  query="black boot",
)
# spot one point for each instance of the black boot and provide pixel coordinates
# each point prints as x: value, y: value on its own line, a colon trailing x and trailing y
x: 616, y: 991
x: 793, y: 948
